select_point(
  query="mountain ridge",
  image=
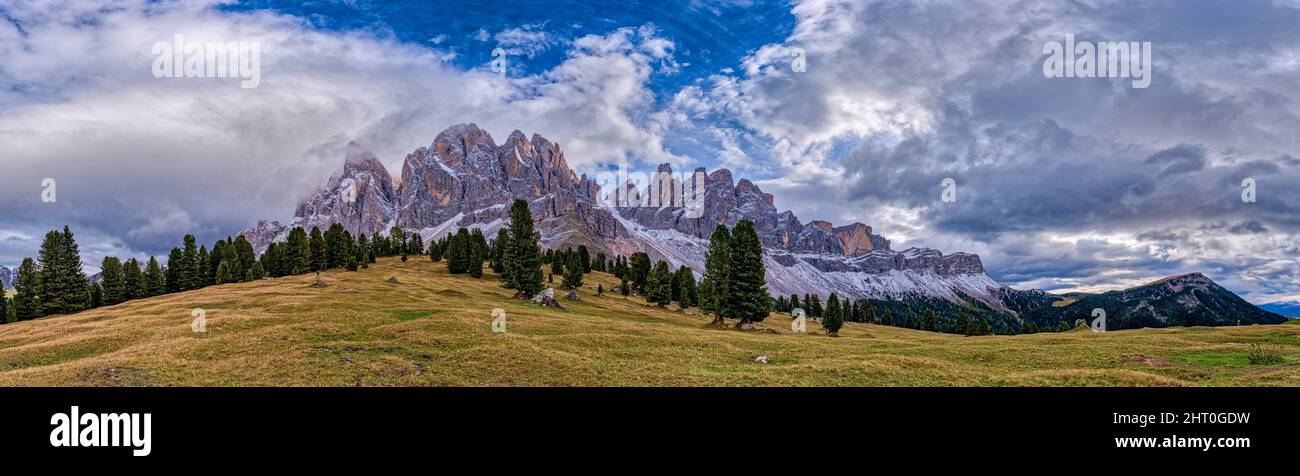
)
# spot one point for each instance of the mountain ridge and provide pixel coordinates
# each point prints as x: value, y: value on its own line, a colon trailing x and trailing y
x: 465, y: 179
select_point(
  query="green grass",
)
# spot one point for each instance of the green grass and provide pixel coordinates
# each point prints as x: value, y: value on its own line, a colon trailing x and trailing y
x: 433, y: 329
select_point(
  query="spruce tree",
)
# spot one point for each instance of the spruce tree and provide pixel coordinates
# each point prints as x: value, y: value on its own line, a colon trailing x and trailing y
x: 224, y: 274
x: 477, y: 252
x: 256, y: 271
x: 499, y: 247
x: 155, y: 281
x: 887, y: 318
x: 624, y: 288
x: 172, y: 274
x: 573, y: 272
x: 584, y: 258
x: 54, y: 295
x: 244, y: 250
x: 927, y: 322
x: 4, y: 304
x: 522, y: 259
x: 658, y: 288
x: 747, y: 297
x: 833, y: 317
x: 27, y: 286
x: 639, y: 271
x: 189, y: 277
x: 794, y: 302
x: 298, y: 252
x: 557, y: 264
x: 134, y: 279
x: 685, y: 284
x: 113, y: 279
x: 714, y: 289
x: 317, y: 242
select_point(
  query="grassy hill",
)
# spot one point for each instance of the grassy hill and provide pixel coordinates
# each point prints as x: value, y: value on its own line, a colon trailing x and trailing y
x: 433, y: 328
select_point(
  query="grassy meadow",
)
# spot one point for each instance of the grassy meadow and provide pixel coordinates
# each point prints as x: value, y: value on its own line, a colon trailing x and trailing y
x: 433, y: 329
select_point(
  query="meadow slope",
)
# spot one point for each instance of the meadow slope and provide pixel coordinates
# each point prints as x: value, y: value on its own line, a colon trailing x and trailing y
x: 432, y: 328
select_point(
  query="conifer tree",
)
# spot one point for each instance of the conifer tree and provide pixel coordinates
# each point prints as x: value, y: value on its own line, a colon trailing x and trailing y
x: 4, y: 304
x: 522, y: 259
x: 113, y: 279
x: 256, y: 271
x: 794, y: 302
x: 133, y: 277
x: 686, y: 287
x: 639, y: 271
x: 833, y: 318
x: 557, y: 264
x: 155, y: 281
x: 51, y: 268
x: 317, y: 241
x: 715, y: 287
x: 224, y: 274
x: 573, y: 272
x: 927, y: 322
x: 747, y: 297
x: 297, y: 254
x: 190, y: 264
x: 584, y: 259
x: 172, y: 274
x: 887, y: 318
x: 658, y: 287
x: 624, y: 288
x: 27, y: 286
x: 499, y: 251
x: 477, y: 252
x: 96, y: 296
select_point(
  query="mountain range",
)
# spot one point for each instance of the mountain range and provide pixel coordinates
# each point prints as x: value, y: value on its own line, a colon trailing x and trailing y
x: 465, y: 179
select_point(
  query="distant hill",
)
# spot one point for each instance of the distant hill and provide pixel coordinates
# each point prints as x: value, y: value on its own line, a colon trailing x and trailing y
x: 1290, y: 309
x: 1184, y: 300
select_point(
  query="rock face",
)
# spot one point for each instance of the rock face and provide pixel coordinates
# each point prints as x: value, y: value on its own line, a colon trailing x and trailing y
x: 464, y: 178
x: 7, y: 277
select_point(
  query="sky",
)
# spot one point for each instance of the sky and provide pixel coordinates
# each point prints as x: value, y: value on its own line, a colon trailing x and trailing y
x: 847, y: 111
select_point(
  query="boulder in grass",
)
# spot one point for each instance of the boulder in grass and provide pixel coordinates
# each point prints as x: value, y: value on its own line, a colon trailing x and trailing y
x: 573, y: 295
x: 547, y: 298
x: 392, y: 280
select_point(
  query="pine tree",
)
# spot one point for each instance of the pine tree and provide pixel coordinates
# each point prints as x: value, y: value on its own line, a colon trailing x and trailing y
x: 686, y: 287
x: 113, y: 279
x: 96, y: 296
x: 927, y: 323
x: 133, y: 277
x: 499, y: 247
x: 584, y: 258
x: 573, y: 272
x: 715, y: 291
x: 190, y: 264
x: 27, y: 287
x: 833, y: 318
x: 173, y: 272
x: 624, y: 287
x: 54, y: 296
x: 557, y: 264
x: 224, y: 273
x: 155, y: 281
x: 298, y: 252
x: 244, y: 250
x: 887, y: 319
x: 477, y: 252
x: 746, y: 283
x: 256, y: 271
x: 351, y: 263
x: 522, y: 259
x: 658, y: 287
x: 317, y: 242
x: 794, y: 302
x: 639, y: 270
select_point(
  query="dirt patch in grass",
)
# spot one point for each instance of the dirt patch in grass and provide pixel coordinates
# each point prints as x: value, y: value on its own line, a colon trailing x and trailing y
x: 1144, y: 360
